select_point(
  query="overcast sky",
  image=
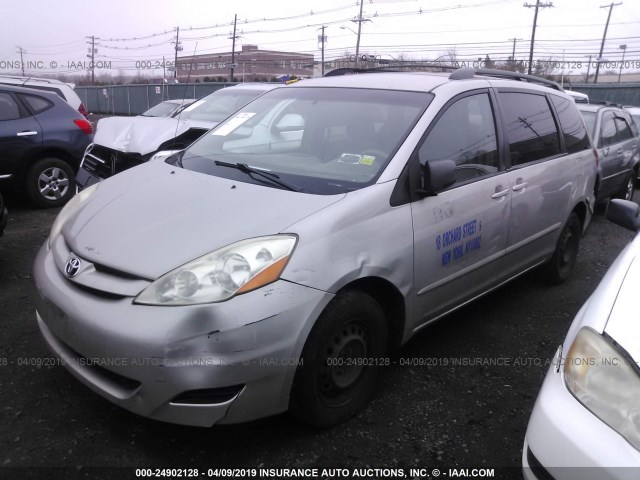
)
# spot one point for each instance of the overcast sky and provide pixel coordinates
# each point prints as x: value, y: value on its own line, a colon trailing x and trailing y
x: 54, y: 33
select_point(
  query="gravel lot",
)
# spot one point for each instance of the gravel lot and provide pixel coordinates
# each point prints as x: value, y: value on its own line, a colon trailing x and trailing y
x: 438, y: 416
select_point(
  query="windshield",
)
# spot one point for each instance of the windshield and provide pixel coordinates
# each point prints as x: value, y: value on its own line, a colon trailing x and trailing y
x: 321, y: 140
x: 219, y: 105
x: 163, y: 109
x: 590, y: 122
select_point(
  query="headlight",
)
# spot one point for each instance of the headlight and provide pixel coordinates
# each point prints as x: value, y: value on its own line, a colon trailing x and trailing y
x: 605, y: 382
x: 69, y: 210
x: 218, y: 276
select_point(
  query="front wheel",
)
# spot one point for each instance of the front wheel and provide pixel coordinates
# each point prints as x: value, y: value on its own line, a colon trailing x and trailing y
x: 559, y: 267
x: 339, y: 367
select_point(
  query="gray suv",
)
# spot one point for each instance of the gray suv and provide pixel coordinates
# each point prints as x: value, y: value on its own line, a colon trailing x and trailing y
x: 42, y: 140
x: 615, y: 135
x: 273, y: 263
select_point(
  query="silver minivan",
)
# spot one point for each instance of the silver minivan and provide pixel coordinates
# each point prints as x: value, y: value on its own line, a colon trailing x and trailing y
x: 273, y: 263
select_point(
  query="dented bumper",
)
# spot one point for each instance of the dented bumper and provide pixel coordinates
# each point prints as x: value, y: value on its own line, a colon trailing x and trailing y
x: 199, y: 365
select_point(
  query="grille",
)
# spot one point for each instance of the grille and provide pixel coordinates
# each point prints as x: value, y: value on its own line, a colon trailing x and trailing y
x: 105, y: 162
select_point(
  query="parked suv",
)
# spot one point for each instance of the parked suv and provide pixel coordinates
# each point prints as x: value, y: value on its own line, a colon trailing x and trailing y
x: 271, y: 264
x: 42, y: 139
x: 63, y: 90
x: 124, y: 142
x: 615, y: 135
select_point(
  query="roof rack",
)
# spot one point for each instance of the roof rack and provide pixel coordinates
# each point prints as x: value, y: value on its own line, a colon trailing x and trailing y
x: 394, y: 68
x: 26, y: 79
x: 466, y: 73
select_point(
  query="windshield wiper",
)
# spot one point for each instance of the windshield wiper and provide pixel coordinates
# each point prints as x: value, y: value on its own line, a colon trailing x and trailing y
x: 275, y: 178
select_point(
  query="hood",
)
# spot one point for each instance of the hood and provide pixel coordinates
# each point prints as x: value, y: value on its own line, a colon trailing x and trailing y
x: 624, y: 321
x: 142, y: 135
x: 155, y: 217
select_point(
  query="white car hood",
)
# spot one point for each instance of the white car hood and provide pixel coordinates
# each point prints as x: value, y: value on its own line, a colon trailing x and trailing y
x: 142, y: 135
x: 624, y: 321
x: 155, y: 217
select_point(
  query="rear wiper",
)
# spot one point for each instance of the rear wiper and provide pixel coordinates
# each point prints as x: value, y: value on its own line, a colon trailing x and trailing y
x: 275, y: 178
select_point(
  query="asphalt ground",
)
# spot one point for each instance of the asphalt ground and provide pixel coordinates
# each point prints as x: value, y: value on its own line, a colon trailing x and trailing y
x: 439, y: 405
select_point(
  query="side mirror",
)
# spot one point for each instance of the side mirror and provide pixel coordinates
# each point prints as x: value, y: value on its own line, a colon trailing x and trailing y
x: 624, y: 213
x: 436, y: 176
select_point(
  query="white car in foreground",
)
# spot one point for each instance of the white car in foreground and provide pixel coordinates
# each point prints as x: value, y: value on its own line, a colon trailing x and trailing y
x: 586, y: 421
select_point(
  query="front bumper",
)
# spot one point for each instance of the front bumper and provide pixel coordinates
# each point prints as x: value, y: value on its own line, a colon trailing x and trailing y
x: 228, y: 362
x: 569, y: 442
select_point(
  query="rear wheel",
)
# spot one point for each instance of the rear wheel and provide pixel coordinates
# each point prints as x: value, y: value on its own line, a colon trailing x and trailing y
x: 338, y: 372
x: 629, y: 189
x: 50, y: 182
x: 558, y: 268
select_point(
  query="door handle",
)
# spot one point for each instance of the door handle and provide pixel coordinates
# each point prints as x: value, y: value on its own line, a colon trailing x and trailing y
x: 500, y: 194
x: 26, y: 133
x: 519, y: 186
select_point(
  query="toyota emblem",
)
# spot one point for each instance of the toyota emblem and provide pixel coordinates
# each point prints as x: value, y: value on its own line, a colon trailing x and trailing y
x: 73, y: 267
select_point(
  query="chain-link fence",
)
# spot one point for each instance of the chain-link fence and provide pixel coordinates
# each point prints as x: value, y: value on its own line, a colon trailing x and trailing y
x: 136, y: 99
x: 623, y: 93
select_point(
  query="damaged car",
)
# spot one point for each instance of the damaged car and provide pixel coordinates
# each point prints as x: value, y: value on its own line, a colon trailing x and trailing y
x: 271, y: 264
x: 124, y: 142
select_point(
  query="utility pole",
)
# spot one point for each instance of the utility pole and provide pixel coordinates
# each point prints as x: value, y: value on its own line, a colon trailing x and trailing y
x: 178, y: 48
x: 604, y: 37
x: 359, y: 20
x: 21, y: 51
x: 513, y: 53
x: 92, y: 51
x: 322, y: 38
x: 233, y: 49
x: 533, y: 30
x: 588, y: 69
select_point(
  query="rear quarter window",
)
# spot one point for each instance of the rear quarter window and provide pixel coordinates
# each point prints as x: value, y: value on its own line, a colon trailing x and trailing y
x: 9, y: 109
x: 576, y: 137
x: 36, y: 104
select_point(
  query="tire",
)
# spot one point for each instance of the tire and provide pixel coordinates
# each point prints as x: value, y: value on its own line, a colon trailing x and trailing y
x: 50, y: 182
x: 558, y: 269
x: 629, y: 189
x: 324, y: 393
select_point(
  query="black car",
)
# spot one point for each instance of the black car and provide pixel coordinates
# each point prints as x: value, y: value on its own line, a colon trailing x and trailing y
x: 42, y: 140
x: 3, y: 215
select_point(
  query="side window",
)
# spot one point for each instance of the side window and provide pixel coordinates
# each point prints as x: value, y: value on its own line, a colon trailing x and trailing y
x: 466, y: 134
x: 575, y: 134
x: 9, y: 109
x: 624, y: 130
x: 36, y: 104
x: 531, y: 130
x: 608, y: 130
